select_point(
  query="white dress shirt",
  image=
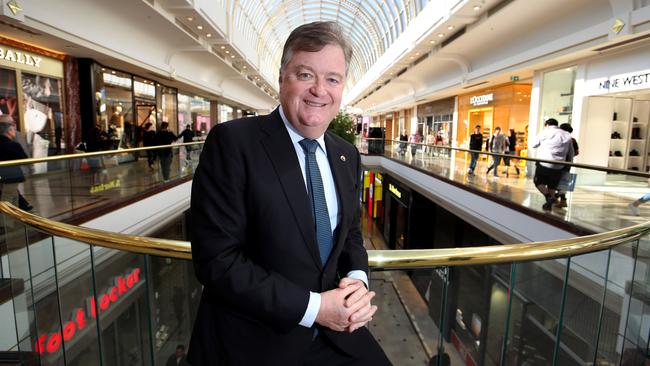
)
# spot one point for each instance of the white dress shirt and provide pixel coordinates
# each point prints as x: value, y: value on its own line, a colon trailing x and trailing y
x: 332, y: 207
x: 554, y: 143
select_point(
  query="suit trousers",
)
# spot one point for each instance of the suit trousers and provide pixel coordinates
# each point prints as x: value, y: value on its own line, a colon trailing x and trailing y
x: 325, y: 353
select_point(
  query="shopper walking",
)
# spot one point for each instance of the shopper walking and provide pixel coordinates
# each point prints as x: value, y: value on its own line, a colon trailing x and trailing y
x: 11, y: 176
x: 552, y: 143
x: 566, y: 183
x: 165, y: 137
x: 634, y: 206
x: 498, y: 145
x: 476, y: 144
x: 149, y: 139
x: 403, y: 138
x: 512, y: 150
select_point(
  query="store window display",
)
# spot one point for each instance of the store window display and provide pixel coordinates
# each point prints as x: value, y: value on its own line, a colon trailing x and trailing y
x: 114, y: 109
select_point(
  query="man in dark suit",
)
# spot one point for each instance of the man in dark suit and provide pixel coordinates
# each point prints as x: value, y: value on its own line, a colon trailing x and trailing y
x: 11, y: 176
x: 276, y: 240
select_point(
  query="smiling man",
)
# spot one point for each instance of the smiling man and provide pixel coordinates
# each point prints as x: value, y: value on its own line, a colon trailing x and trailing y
x: 276, y: 240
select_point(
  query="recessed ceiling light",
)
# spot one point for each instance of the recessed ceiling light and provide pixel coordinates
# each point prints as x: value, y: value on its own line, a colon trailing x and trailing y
x: 432, y: 41
x: 227, y: 51
x: 441, y: 35
x: 417, y: 53
x: 189, y: 19
x: 103, y: 69
x: 232, y: 56
x: 244, y: 66
x: 450, y: 27
x: 391, y: 73
x: 209, y: 35
x: 411, y: 57
x: 199, y: 27
x: 113, y: 72
x: 477, y: 7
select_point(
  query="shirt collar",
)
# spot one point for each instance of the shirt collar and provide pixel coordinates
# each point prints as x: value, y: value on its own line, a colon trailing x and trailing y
x: 296, y: 137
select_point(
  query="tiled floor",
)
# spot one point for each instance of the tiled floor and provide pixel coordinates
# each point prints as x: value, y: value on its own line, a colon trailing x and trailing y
x: 63, y: 193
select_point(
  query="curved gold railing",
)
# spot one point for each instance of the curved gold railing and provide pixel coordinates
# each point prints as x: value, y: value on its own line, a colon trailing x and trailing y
x: 377, y: 259
x: 91, y: 154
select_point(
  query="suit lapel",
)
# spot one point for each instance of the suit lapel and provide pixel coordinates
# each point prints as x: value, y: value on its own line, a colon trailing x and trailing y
x: 283, y: 157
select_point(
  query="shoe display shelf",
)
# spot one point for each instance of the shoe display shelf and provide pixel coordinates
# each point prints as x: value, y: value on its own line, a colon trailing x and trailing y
x: 629, y: 135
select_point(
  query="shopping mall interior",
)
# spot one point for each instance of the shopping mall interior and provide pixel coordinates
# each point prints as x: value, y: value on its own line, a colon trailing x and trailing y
x: 470, y: 263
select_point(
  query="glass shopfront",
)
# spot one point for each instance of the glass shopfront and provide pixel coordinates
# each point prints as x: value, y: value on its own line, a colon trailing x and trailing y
x: 31, y: 92
x: 436, y: 119
x: 194, y: 110
x: 507, y: 107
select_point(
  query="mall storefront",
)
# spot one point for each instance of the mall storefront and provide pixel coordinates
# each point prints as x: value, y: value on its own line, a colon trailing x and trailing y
x: 122, y: 104
x: 31, y: 92
x: 506, y: 106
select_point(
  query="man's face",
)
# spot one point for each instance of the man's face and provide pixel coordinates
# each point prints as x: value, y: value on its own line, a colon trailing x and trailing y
x: 477, y: 130
x: 311, y: 87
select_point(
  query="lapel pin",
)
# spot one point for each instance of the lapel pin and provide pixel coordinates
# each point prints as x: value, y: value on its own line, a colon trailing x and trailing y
x: 343, y: 158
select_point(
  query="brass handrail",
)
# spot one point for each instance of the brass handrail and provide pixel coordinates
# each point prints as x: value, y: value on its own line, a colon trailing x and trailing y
x: 377, y: 259
x: 92, y: 154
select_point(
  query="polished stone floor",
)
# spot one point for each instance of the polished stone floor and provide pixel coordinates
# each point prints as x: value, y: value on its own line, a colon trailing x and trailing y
x: 75, y: 187
x: 597, y: 207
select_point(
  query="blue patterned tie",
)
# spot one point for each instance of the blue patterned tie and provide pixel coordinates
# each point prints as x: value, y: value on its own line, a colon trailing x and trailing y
x: 317, y: 199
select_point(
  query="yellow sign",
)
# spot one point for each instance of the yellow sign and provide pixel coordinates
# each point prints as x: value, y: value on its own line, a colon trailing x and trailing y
x: 618, y: 26
x: 14, y: 7
x: 115, y: 183
x: 394, y: 190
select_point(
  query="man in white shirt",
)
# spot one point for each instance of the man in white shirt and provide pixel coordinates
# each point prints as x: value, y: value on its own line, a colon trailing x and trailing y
x: 552, y: 143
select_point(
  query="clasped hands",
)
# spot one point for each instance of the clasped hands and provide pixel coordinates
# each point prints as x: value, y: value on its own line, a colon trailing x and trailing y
x: 346, y: 308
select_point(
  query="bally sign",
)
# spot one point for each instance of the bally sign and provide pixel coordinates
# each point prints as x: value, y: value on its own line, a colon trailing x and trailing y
x: 18, y: 57
x: 481, y: 99
x: 50, y: 343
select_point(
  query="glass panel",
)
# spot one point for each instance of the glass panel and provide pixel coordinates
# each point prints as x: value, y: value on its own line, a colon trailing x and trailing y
x: 14, y: 311
x: 584, y: 307
x: 8, y: 96
x: 536, y: 313
x: 43, y: 118
x: 120, y: 303
x: 114, y: 98
x: 403, y: 326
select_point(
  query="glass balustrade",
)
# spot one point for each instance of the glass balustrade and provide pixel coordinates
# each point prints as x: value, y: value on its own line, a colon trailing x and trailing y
x: 597, y: 198
x: 61, y: 189
x: 71, y: 303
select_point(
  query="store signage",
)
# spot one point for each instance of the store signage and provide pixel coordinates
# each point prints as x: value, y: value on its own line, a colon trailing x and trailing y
x: 20, y: 57
x: 394, y: 190
x: 51, y: 343
x: 481, y: 99
x: 115, y: 183
x: 625, y: 82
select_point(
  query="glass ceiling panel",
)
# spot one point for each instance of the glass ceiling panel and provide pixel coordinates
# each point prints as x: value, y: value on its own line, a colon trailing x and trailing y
x: 371, y: 25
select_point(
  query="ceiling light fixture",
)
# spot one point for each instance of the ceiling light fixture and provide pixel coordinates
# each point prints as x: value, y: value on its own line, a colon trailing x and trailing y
x: 441, y: 35
x: 232, y: 56
x: 189, y: 19
x: 450, y: 27
x: 227, y: 51
x: 223, y: 47
x: 477, y: 7
x: 209, y: 35
x: 432, y: 41
x: 199, y: 27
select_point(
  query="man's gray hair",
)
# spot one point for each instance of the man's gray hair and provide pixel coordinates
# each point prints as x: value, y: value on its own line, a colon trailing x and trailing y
x: 5, y: 127
x: 312, y: 37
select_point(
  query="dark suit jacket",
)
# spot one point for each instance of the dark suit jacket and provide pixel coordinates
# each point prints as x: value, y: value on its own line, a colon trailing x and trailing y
x: 254, y: 245
x: 10, y: 150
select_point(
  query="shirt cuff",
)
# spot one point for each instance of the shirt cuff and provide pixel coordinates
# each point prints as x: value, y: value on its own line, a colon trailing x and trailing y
x: 312, y: 310
x: 359, y: 275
